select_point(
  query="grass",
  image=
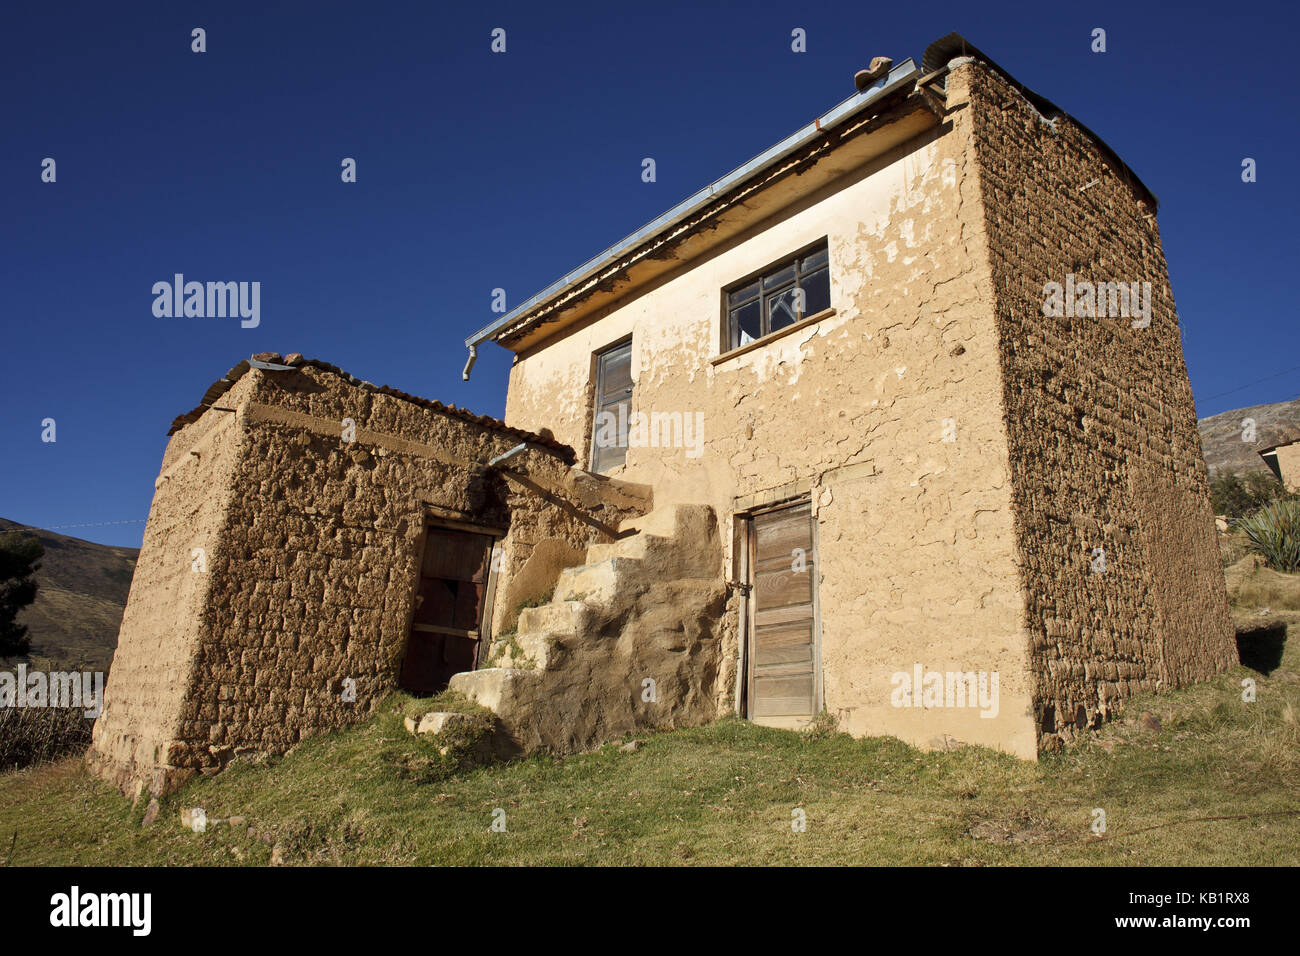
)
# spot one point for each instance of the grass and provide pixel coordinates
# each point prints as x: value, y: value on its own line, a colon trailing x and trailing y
x: 1196, y: 776
x: 722, y: 795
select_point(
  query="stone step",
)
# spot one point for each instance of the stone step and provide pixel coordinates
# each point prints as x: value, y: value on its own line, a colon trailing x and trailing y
x: 670, y: 521
x: 438, y: 721
x: 488, y: 687
x: 638, y: 547
x: 540, y: 646
x: 593, y: 582
x: 563, y: 617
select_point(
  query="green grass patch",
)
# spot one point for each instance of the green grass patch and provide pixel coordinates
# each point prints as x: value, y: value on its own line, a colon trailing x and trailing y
x: 725, y: 794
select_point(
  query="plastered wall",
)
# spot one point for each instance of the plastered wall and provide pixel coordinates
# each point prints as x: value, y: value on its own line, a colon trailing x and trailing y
x: 917, y: 544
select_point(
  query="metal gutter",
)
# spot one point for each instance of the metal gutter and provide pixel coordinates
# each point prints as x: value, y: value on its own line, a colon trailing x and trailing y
x: 897, y: 77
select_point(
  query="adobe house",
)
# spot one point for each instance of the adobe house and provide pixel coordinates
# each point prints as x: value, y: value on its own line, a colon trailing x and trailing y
x: 1283, y: 460
x: 821, y: 438
x: 847, y: 348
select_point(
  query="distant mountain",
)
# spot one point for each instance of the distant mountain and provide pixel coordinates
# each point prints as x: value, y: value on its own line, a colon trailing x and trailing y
x: 1221, y: 436
x: 78, y: 608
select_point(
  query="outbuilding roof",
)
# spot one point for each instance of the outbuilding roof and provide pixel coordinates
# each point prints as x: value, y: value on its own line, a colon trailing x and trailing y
x: 274, y: 361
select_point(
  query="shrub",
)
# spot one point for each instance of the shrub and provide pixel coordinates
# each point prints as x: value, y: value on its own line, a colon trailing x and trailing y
x: 1273, y: 532
x: 1236, y: 496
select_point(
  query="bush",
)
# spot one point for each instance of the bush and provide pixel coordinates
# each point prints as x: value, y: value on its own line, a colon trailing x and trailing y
x: 1273, y: 532
x: 1235, y: 496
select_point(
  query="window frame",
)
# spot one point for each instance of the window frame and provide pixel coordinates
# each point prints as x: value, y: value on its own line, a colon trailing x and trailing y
x: 594, y: 453
x: 730, y: 338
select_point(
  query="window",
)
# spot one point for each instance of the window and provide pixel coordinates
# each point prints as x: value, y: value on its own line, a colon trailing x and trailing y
x: 613, y: 404
x: 781, y: 296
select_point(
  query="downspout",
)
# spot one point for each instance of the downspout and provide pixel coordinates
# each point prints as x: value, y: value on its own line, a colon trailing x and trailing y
x: 473, y: 356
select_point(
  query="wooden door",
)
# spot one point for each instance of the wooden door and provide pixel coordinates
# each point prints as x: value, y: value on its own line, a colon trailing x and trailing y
x: 445, y: 627
x: 613, y: 405
x: 783, y: 656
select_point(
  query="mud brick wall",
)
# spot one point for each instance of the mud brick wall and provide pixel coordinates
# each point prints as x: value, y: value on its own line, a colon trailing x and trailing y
x: 313, y: 545
x: 1104, y: 449
x: 161, y: 627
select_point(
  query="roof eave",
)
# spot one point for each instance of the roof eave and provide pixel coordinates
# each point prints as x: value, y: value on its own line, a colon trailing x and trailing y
x: 514, y: 321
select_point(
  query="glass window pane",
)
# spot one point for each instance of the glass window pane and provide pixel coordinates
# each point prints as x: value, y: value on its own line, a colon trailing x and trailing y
x: 746, y: 324
x: 776, y: 278
x: 615, y: 372
x: 813, y: 260
x: 781, y: 309
x: 816, y: 292
x: 738, y: 296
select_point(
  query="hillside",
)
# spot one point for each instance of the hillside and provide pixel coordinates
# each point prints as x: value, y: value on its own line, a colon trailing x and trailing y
x: 1192, y: 777
x: 83, y: 589
x: 1221, y: 436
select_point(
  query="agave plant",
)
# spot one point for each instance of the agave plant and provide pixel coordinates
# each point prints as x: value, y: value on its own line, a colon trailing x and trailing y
x: 1273, y: 533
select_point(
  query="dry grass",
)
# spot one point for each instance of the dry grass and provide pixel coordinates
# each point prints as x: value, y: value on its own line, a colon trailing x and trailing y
x: 35, y: 735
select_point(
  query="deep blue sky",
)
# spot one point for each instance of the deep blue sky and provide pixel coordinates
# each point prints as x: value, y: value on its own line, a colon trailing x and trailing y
x: 478, y: 170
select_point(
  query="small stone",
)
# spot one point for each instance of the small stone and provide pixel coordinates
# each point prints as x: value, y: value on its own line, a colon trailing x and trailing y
x: 1150, y: 722
x: 236, y: 821
x: 277, y: 855
x: 151, y: 813
x: 631, y: 747
x: 293, y: 358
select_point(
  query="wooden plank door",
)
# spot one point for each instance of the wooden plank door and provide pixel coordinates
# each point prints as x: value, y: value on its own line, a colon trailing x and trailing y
x: 613, y: 405
x: 445, y: 628
x: 783, y: 655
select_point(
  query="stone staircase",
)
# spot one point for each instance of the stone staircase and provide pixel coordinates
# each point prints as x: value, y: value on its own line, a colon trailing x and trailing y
x: 645, y: 608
